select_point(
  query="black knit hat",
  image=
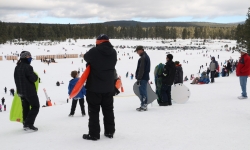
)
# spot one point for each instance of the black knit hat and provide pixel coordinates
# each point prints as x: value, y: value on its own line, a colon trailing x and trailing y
x: 24, y: 54
x: 170, y: 56
x: 102, y: 38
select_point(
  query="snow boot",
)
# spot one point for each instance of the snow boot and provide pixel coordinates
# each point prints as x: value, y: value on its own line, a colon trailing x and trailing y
x: 109, y: 135
x: 89, y: 137
x: 71, y: 115
x: 242, y: 97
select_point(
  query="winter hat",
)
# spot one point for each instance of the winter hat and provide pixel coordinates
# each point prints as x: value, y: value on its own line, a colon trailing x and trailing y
x: 244, y: 50
x: 74, y: 74
x: 170, y: 56
x: 24, y: 54
x: 102, y: 38
x: 177, y: 62
x: 139, y: 48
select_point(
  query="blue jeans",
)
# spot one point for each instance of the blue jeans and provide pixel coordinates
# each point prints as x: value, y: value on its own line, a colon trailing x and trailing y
x: 143, y: 93
x: 166, y: 94
x: 243, y: 84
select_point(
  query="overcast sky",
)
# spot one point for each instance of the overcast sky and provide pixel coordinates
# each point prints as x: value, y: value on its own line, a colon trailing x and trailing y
x: 91, y: 11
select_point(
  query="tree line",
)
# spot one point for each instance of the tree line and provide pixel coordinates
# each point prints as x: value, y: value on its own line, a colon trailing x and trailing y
x: 61, y: 32
x: 243, y: 33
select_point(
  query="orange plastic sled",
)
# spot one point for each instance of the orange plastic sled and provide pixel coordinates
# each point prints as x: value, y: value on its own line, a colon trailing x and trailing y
x: 80, y: 83
x: 118, y: 84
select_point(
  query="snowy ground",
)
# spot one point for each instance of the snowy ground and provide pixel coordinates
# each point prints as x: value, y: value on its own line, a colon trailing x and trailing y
x: 212, y: 119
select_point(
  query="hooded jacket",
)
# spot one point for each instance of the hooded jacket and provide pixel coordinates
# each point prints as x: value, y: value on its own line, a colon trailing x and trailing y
x: 213, y: 65
x: 102, y: 60
x: 243, y: 67
x: 178, y: 75
x: 72, y: 84
x: 143, y: 67
x: 25, y: 79
x: 169, y: 73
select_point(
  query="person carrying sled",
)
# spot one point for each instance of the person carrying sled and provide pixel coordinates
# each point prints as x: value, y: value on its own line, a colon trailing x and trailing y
x: 178, y: 73
x: 213, y: 67
x: 100, y: 87
x: 79, y: 96
x: 142, y: 76
x: 25, y: 79
x: 243, y: 71
x: 168, y: 77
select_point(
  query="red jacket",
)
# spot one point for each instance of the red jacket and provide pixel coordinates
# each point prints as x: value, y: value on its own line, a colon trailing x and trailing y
x: 243, y: 67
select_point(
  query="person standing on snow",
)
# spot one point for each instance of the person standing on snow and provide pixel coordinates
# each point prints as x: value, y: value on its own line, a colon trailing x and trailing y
x: 178, y: 73
x: 5, y: 90
x: 213, y: 67
x: 142, y: 76
x: 25, y: 79
x: 228, y: 67
x: 243, y: 71
x: 3, y: 100
x: 100, y: 87
x: 167, y: 81
x: 79, y: 96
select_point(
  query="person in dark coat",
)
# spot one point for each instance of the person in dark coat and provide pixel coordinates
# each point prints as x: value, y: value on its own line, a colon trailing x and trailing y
x: 3, y: 100
x: 167, y: 81
x: 178, y: 73
x: 100, y: 87
x: 25, y: 79
x: 228, y: 68
x: 213, y: 67
x: 142, y: 76
x: 79, y: 96
x: 5, y: 90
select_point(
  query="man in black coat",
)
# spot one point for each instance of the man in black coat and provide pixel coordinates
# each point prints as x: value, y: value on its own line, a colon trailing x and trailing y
x: 100, y: 87
x: 167, y: 81
x: 25, y: 79
x: 178, y: 73
x: 142, y: 76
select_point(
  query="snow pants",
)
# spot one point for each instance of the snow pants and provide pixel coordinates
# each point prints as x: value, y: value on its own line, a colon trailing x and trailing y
x: 74, y: 103
x: 166, y: 94
x: 105, y: 101
x: 212, y: 76
x: 29, y: 114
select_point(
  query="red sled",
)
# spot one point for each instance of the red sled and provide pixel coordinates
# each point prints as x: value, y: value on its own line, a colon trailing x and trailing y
x: 80, y: 83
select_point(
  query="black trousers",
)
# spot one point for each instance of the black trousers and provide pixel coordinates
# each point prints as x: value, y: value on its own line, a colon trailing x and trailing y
x: 95, y: 101
x: 29, y: 114
x: 166, y: 94
x: 73, y: 106
x: 212, y: 76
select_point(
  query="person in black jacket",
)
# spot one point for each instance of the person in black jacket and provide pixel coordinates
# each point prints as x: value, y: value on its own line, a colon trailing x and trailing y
x: 100, y: 87
x: 178, y: 73
x: 167, y: 81
x: 142, y: 76
x: 228, y: 68
x: 25, y: 79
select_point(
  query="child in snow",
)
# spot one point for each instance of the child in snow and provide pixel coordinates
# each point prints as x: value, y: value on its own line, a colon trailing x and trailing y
x: 186, y: 78
x: 79, y: 96
x: 4, y: 107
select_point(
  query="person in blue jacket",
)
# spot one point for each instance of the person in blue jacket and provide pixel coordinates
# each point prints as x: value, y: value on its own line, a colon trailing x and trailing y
x: 79, y: 96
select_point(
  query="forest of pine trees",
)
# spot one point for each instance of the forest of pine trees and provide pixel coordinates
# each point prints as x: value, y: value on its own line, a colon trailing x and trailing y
x: 61, y: 32
x: 242, y: 34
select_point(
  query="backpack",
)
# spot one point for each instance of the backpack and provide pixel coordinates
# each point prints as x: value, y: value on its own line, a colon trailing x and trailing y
x: 158, y: 80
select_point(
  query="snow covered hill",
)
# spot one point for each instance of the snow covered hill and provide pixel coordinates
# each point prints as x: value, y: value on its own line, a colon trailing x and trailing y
x: 212, y: 119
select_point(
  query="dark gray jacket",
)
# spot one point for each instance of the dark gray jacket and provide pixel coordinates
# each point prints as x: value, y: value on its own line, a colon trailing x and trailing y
x: 143, y: 67
x: 25, y: 79
x: 178, y: 75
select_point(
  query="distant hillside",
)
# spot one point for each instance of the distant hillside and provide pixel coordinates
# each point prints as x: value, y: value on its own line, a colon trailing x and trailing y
x: 124, y: 23
x: 174, y: 24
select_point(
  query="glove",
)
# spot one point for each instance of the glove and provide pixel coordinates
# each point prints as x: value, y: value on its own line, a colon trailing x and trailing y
x: 138, y: 82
